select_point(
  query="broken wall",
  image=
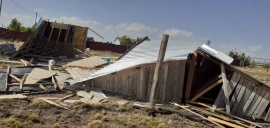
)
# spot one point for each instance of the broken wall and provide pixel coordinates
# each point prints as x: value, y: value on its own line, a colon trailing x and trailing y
x: 137, y: 81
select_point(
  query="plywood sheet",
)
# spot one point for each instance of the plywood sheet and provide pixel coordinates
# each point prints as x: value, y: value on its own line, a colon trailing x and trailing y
x: 38, y: 74
x: 89, y: 62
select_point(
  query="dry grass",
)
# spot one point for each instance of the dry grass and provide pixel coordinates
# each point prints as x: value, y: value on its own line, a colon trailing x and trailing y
x: 259, y: 73
x: 32, y: 113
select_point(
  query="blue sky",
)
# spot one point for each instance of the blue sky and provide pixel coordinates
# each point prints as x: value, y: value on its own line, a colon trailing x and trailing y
x: 229, y: 24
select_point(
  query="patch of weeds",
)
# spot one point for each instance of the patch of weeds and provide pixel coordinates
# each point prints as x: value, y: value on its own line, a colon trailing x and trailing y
x: 40, y: 104
x: 70, y: 116
x: 27, y: 117
x: 95, y: 124
x: 175, y: 117
x: 56, y: 125
x: 125, y: 122
x: 7, y: 101
x: 11, y: 123
x: 99, y: 116
x: 126, y: 108
x: 89, y: 106
x: 152, y: 124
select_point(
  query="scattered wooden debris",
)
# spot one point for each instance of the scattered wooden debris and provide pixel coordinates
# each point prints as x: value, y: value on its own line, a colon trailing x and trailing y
x: 198, y: 115
x: 85, y: 94
x: 46, y: 99
x: 13, y: 96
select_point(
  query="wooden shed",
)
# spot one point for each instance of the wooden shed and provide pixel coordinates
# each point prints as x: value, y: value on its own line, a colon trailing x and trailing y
x: 54, y: 39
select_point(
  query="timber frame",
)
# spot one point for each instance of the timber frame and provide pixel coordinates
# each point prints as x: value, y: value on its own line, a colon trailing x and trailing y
x: 214, y: 82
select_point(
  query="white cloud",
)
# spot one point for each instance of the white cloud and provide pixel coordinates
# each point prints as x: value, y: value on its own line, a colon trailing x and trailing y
x: 178, y: 34
x: 255, y: 48
x: 109, y: 32
x: 76, y: 21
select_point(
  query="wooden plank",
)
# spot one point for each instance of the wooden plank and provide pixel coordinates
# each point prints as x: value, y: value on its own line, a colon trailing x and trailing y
x: 206, y: 112
x: 55, y: 83
x: 160, y: 60
x: 182, y: 71
x: 206, y: 85
x: 198, y: 115
x: 224, y: 88
x: 250, y: 99
x: 224, y: 122
x: 219, y: 102
x: 239, y: 96
x: 15, y: 77
x: 236, y: 117
x: 236, y: 92
x: 267, y: 117
x: 257, y: 102
x: 22, y: 81
x: 13, y: 96
x: 7, y: 75
x: 191, y: 75
x: 42, y: 87
x: 53, y: 103
x: 262, y: 106
x: 206, y: 90
x: 243, y: 101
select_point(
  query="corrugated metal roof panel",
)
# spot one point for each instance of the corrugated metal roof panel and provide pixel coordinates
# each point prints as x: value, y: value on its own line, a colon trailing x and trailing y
x: 147, y: 52
x: 217, y: 54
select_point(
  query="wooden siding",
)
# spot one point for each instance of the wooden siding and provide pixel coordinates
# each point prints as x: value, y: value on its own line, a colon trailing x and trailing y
x: 137, y: 81
x: 247, y: 99
x: 79, y: 37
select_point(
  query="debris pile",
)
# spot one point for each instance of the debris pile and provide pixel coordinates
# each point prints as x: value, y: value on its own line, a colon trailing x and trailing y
x: 205, y: 80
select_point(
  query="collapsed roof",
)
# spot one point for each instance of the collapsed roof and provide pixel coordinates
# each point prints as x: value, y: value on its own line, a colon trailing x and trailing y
x: 147, y: 52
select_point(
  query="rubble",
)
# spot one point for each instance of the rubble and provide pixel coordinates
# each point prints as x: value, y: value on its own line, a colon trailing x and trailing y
x: 202, y: 77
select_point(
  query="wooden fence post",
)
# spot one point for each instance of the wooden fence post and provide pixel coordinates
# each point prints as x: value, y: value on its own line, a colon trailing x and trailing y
x: 159, y: 62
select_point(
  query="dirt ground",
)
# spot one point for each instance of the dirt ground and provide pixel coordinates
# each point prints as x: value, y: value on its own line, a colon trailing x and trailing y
x: 33, y: 113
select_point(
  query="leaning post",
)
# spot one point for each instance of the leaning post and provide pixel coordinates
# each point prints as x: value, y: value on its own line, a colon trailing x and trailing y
x: 159, y: 62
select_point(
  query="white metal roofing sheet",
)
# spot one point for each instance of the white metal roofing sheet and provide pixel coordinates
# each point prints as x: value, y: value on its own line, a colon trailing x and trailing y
x: 147, y: 52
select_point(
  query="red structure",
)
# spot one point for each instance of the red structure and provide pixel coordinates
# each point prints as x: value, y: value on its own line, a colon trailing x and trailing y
x: 8, y: 34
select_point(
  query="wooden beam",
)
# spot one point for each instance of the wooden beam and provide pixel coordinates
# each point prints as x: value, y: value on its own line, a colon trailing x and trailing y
x: 66, y: 38
x: 54, y: 83
x: 15, y: 77
x: 219, y: 102
x: 233, y: 69
x: 224, y: 122
x: 22, y: 81
x: 7, y: 75
x: 225, y: 87
x: 160, y: 60
x: 191, y: 75
x: 207, y: 84
x: 206, y: 90
x: 50, y: 36
x: 198, y: 115
x: 42, y: 87
x: 236, y: 117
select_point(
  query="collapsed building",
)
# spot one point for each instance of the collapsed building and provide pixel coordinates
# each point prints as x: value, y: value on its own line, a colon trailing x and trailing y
x: 191, y: 73
x: 54, y: 39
